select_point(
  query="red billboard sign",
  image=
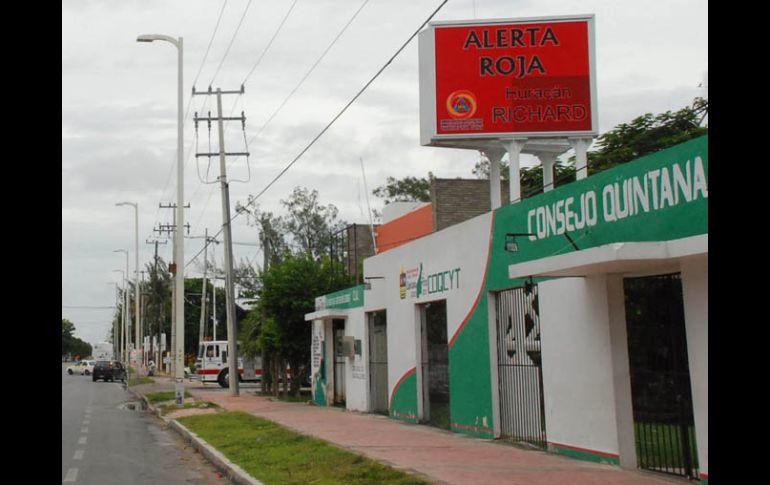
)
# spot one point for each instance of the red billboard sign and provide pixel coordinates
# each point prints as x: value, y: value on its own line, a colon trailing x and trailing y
x: 529, y: 77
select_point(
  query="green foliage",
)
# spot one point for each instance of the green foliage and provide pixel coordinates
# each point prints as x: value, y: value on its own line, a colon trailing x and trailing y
x: 71, y: 344
x: 648, y: 134
x: 407, y: 189
x: 288, y: 293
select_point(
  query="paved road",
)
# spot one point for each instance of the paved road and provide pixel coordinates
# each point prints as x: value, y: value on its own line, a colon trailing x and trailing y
x: 103, y: 443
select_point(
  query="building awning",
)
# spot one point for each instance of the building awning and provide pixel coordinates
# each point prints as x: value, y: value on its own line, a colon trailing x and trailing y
x: 328, y: 314
x: 632, y: 258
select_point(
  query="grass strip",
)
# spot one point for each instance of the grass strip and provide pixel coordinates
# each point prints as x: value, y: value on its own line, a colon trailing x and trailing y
x: 275, y: 455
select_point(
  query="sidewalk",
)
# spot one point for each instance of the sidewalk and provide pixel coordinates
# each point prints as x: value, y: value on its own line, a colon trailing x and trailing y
x: 440, y: 456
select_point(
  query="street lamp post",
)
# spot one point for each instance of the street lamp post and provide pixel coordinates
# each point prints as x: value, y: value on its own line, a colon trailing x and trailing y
x: 137, y: 313
x: 179, y: 239
x: 122, y: 330
x: 115, y: 324
x: 126, y: 319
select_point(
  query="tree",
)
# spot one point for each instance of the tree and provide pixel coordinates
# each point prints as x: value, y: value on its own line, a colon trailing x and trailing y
x: 648, y: 134
x: 158, y: 299
x: 298, y: 268
x: 407, y: 189
x: 71, y: 344
x: 310, y: 225
x: 288, y: 292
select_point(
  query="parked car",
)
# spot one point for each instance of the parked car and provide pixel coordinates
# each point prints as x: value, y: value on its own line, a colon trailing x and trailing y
x: 84, y: 367
x: 108, y: 370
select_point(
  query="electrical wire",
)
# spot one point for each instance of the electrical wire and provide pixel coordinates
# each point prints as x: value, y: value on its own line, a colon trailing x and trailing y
x: 211, y: 41
x: 310, y: 71
x: 270, y: 43
x: 329, y: 125
x: 232, y: 40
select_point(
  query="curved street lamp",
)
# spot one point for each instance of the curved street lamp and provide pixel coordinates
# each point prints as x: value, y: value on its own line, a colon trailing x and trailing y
x: 178, y: 238
x: 137, y: 313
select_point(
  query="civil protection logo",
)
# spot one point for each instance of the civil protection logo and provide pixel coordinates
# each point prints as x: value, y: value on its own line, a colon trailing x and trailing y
x: 461, y: 104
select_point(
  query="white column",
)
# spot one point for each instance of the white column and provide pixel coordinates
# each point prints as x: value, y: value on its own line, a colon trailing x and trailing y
x: 621, y: 373
x: 580, y: 145
x: 494, y: 154
x: 695, y: 293
x: 547, y: 160
x: 514, y: 148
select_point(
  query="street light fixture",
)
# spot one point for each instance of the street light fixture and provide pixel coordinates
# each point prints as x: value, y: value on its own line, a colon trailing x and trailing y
x: 178, y: 239
x: 137, y: 314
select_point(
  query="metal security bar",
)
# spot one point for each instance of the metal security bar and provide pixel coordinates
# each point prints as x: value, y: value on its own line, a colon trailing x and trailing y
x: 660, y: 378
x: 522, y: 411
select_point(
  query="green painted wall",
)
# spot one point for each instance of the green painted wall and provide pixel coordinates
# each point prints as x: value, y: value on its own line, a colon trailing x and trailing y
x: 403, y: 406
x: 667, y: 178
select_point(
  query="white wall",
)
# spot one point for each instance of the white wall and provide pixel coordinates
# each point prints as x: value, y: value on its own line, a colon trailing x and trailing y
x: 577, y: 364
x: 464, y: 247
x: 695, y: 290
x: 357, y: 367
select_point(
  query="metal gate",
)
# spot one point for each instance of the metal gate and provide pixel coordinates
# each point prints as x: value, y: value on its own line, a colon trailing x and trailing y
x: 660, y: 376
x: 522, y: 411
x: 435, y: 364
x: 378, y: 362
x: 338, y: 327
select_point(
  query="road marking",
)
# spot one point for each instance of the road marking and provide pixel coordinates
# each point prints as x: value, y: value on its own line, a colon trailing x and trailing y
x: 86, y: 422
x: 82, y: 440
x: 84, y: 430
x: 72, y: 475
x: 78, y: 455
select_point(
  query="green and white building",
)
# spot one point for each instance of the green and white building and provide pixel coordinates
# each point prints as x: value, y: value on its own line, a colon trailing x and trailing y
x: 551, y: 321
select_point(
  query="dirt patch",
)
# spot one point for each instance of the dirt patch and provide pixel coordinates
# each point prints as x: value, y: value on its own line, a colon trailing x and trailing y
x: 189, y: 412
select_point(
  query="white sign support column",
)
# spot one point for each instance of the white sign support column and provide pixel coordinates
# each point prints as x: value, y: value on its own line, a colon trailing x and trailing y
x: 514, y: 147
x: 495, y: 155
x: 580, y: 145
x: 547, y: 160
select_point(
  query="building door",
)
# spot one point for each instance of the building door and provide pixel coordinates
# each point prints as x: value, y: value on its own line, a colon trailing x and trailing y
x: 520, y: 366
x: 660, y: 375
x: 338, y: 328
x: 435, y: 364
x: 378, y: 362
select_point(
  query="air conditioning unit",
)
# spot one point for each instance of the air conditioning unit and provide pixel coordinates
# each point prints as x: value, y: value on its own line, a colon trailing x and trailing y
x: 348, y: 346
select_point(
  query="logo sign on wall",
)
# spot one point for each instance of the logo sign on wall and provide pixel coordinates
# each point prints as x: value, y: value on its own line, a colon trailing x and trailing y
x: 482, y: 80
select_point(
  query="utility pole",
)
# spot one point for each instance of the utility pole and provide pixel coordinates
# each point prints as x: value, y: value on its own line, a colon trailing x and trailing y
x: 207, y: 240
x: 173, y: 268
x: 226, y: 226
x: 153, y: 350
x: 202, y: 334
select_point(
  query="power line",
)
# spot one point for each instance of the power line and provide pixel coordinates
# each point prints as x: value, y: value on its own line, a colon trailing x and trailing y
x: 326, y: 128
x: 270, y: 43
x: 235, y: 102
x: 329, y: 125
x: 211, y: 41
x: 232, y: 40
x: 312, y: 68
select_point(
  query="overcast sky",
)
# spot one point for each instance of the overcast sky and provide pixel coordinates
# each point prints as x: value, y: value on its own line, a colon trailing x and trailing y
x: 119, y: 110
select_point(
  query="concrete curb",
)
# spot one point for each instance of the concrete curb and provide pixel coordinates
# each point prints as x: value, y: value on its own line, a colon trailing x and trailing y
x: 233, y: 472
x: 230, y: 470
